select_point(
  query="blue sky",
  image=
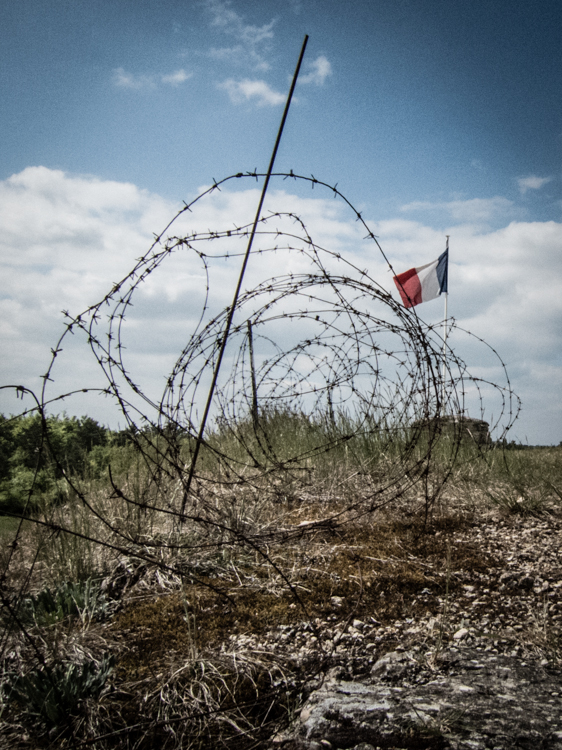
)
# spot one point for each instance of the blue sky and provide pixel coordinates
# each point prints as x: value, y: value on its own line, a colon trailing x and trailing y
x: 433, y: 117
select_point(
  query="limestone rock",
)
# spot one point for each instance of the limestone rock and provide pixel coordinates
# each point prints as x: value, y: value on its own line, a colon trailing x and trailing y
x: 472, y: 700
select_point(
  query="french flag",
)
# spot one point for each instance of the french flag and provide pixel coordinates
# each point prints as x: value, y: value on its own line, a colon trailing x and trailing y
x: 424, y: 282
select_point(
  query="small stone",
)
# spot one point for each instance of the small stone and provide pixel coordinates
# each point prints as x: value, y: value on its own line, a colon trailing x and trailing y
x: 336, y: 601
x: 460, y: 634
x: 393, y: 665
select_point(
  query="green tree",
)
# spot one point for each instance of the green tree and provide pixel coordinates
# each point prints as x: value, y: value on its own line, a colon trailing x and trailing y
x: 36, y: 453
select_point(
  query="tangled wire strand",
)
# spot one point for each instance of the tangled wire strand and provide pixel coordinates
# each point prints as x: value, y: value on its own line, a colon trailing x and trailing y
x: 324, y: 343
x: 331, y: 394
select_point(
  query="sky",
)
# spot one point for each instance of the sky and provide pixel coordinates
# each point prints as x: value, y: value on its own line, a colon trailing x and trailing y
x: 434, y: 118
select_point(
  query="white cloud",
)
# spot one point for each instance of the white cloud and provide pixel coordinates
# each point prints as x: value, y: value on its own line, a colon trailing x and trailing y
x: 246, y: 90
x: 174, y: 79
x: 474, y: 210
x: 320, y: 69
x: 125, y: 80
x: 232, y: 23
x: 532, y: 183
x: 64, y: 240
x: 253, y: 41
x: 240, y: 55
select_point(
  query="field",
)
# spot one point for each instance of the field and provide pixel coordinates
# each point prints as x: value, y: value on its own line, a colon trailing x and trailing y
x: 138, y: 616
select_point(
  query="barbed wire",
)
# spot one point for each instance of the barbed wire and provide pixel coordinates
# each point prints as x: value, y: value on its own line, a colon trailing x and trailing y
x: 324, y: 342
x: 331, y: 394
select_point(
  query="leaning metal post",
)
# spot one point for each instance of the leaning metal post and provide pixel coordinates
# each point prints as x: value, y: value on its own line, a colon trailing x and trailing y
x: 444, y: 347
x: 239, y: 285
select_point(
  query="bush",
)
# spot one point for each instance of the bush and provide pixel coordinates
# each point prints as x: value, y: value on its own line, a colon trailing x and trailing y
x: 36, y: 453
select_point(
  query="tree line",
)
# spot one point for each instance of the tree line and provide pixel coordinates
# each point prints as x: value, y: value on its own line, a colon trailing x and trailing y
x: 36, y: 454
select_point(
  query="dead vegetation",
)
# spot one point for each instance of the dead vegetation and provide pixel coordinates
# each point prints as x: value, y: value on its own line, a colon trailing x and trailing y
x: 222, y: 648
x: 190, y: 594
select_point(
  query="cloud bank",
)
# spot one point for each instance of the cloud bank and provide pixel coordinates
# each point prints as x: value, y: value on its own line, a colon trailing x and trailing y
x: 66, y: 239
x: 471, y: 211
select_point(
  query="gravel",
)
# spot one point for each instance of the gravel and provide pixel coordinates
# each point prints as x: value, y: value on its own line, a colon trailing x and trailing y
x: 513, y: 606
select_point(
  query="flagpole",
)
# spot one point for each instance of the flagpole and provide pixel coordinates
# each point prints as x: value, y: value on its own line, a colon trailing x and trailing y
x: 445, y: 339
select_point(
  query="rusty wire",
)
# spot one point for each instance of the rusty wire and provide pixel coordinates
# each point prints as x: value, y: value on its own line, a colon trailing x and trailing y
x: 329, y: 397
x: 324, y: 342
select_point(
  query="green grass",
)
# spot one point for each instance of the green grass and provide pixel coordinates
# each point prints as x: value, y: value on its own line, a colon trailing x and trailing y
x: 9, y: 527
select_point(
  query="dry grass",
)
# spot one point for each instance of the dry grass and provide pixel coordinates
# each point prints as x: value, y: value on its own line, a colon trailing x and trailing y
x: 178, y: 600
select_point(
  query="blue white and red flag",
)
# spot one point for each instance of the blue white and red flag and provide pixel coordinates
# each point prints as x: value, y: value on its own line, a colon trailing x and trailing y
x: 423, y: 283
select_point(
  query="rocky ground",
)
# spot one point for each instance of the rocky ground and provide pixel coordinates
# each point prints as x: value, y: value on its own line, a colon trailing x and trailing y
x: 475, y: 666
x: 469, y: 699
x: 443, y: 636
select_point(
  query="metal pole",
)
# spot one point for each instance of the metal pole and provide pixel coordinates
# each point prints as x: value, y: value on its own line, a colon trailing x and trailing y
x: 240, y: 279
x: 444, y: 341
x: 253, y: 376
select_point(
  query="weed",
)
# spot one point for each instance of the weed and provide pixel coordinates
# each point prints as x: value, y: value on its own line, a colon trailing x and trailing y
x: 526, y: 481
x: 54, y: 695
x: 84, y: 600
